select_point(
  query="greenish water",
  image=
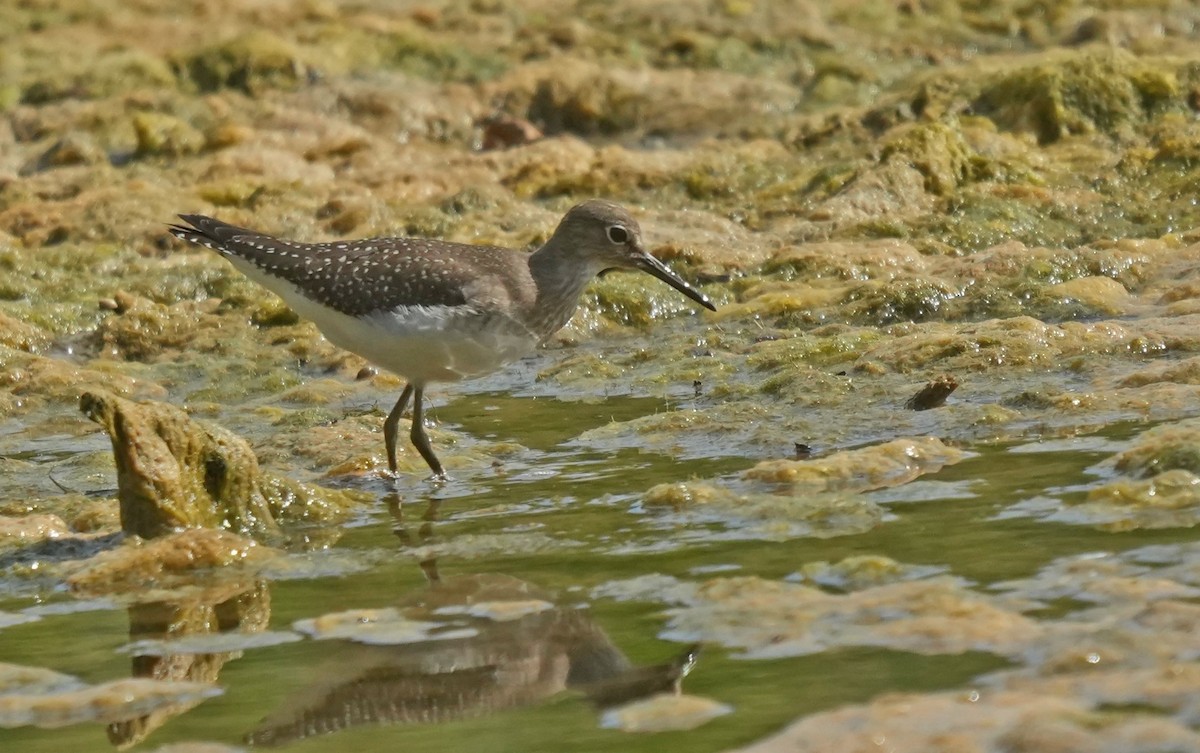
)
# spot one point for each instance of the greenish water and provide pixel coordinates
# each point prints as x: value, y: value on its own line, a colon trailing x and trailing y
x: 583, y: 504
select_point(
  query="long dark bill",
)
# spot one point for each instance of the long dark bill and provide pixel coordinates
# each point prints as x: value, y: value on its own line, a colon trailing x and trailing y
x: 648, y: 263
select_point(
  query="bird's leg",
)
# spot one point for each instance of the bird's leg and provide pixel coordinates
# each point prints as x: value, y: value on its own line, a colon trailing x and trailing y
x: 392, y: 424
x: 418, y: 437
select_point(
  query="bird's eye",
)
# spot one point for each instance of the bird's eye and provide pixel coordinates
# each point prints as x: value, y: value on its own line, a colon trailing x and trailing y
x: 618, y: 234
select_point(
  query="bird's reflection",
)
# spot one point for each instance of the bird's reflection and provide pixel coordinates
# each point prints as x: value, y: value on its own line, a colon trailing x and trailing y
x: 516, y: 657
x: 395, y: 507
x: 508, y: 664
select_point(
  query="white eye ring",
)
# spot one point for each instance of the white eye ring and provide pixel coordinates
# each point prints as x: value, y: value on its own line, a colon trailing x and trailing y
x: 617, y: 234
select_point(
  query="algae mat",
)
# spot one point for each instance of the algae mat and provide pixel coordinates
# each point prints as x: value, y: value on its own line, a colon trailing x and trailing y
x: 927, y: 480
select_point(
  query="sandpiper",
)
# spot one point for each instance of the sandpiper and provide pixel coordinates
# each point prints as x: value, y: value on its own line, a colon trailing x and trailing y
x: 432, y: 310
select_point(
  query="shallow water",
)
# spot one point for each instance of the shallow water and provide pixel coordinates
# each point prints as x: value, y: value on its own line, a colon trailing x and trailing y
x: 571, y: 521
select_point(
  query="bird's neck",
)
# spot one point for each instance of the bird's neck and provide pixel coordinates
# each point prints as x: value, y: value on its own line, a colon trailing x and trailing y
x: 560, y: 278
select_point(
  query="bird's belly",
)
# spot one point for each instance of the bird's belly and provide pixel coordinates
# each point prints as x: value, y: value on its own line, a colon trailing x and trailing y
x: 424, y: 343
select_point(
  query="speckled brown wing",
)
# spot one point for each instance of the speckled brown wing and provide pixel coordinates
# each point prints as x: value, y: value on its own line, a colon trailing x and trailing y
x: 359, y: 277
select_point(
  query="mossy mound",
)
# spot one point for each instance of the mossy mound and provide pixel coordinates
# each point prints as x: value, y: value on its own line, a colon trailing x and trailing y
x: 174, y: 472
x: 1105, y: 91
x: 252, y: 62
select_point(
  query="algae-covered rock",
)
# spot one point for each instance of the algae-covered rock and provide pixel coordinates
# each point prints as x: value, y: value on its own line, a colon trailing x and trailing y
x: 1021, y: 341
x: 937, y: 150
x: 173, y: 472
x: 113, y: 73
x: 1101, y: 90
x: 28, y: 381
x: 1186, y: 371
x: 171, y: 561
x: 638, y: 301
x: 766, y: 618
x: 918, y: 164
x: 1174, y: 446
x: 880, y: 193
x: 1100, y: 293
x: 253, y: 62
x: 76, y: 148
x: 889, y: 464
x: 1043, y: 715
x: 22, y: 531
x: 883, y: 260
x: 21, y: 335
x: 910, y: 299
x: 1169, y: 500
x: 1161, y: 489
x: 769, y: 517
x: 777, y: 500
x: 933, y: 394
x: 860, y: 572
x: 159, y: 134
x: 585, y: 98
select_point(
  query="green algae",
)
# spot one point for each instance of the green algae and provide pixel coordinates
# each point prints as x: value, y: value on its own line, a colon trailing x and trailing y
x: 1164, y: 448
x: 889, y: 464
x: 144, y: 330
x: 112, y: 73
x: 981, y: 188
x: 245, y: 381
x: 590, y: 102
x: 858, y: 572
x: 367, y: 44
x: 159, y: 134
x: 71, y: 149
x: 21, y: 335
x: 252, y: 62
x: 1170, y: 499
x: 773, y: 517
x: 273, y: 312
x: 415, y: 52
x: 900, y: 300
x: 1186, y: 371
x: 1105, y: 91
x: 239, y: 192
x: 751, y: 170
x: 831, y: 347
x: 637, y: 301
x: 937, y: 150
x: 588, y: 366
